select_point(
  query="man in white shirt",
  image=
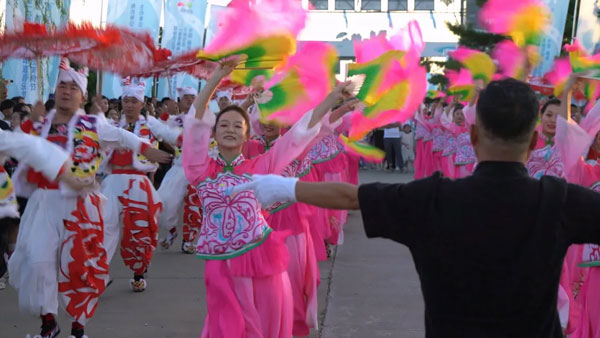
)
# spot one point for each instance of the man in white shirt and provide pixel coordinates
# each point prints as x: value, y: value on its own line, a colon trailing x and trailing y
x: 392, y: 143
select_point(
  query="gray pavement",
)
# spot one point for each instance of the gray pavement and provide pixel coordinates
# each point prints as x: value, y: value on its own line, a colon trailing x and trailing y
x: 369, y: 288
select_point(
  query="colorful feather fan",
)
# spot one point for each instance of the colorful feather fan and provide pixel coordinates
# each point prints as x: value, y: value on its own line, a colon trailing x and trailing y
x: 461, y: 84
x: 262, y: 31
x: 581, y: 61
x: 435, y: 94
x: 525, y: 21
x: 306, y: 80
x: 514, y: 61
x: 364, y: 150
x: 559, y: 75
x: 478, y: 63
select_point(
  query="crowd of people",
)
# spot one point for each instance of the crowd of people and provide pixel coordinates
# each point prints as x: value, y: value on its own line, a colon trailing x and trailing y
x: 81, y: 180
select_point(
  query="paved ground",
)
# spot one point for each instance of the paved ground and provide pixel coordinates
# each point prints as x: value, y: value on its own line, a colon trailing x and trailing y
x: 369, y: 289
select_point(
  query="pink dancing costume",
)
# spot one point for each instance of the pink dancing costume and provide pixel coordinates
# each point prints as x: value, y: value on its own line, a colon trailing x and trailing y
x: 556, y: 157
x: 428, y: 163
x: 464, y: 158
x: 583, y: 263
x: 448, y: 155
x: 247, y: 285
x: 423, y: 137
x: 60, y: 247
x: 303, y: 269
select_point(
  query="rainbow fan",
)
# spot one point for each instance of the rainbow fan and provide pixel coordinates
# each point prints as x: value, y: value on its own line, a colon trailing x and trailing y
x: 263, y: 32
x: 364, y: 150
x: 305, y: 81
x: 380, y: 74
x: 514, y: 61
x: 478, y: 63
x: 397, y: 105
x: 461, y: 84
x: 581, y: 61
x: 559, y: 75
x: 525, y: 21
x: 394, y: 84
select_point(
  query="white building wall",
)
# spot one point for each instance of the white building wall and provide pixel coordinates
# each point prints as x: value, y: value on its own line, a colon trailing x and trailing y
x: 340, y: 27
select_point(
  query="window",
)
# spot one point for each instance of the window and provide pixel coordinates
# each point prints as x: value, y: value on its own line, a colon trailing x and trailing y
x: 344, y: 5
x: 319, y: 4
x: 424, y: 5
x: 397, y: 5
x: 373, y: 5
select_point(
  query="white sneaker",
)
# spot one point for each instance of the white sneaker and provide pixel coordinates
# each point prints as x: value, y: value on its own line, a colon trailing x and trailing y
x: 3, y: 282
x: 188, y: 248
x: 138, y: 286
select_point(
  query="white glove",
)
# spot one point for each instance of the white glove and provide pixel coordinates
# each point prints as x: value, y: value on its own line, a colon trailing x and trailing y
x: 270, y: 189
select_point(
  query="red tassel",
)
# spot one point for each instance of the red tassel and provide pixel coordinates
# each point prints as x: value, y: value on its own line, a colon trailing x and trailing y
x: 32, y: 28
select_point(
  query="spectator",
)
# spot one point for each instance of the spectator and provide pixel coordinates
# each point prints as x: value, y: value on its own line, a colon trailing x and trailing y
x: 6, y: 110
x: 23, y: 109
x: 392, y: 141
x: 408, y: 147
x: 15, y: 121
x: 113, y: 115
x: 18, y: 99
x: 104, y: 104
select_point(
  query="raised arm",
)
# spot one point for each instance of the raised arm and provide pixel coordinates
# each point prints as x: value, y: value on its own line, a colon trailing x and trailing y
x: 202, y: 100
x: 196, y: 134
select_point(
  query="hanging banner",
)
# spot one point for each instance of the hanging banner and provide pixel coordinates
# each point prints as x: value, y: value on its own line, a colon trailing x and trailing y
x: 137, y: 15
x: 588, y: 26
x: 551, y: 44
x: 183, y: 31
x: 24, y: 73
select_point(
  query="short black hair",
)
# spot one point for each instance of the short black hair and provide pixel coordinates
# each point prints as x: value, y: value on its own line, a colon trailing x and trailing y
x: 18, y: 108
x: 7, y: 104
x: 49, y: 105
x: 16, y: 99
x: 551, y: 102
x: 508, y: 109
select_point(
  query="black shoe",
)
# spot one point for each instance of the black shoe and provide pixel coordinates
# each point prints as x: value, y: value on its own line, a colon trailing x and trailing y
x: 50, y: 330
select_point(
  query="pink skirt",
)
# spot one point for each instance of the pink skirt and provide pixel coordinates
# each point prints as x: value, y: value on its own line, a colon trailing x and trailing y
x: 464, y: 170
x: 437, y: 161
x: 448, y: 168
x: 333, y: 171
x: 428, y: 164
x: 571, y: 279
x: 250, y: 295
x: 352, y: 170
x: 419, y: 160
x: 589, y: 324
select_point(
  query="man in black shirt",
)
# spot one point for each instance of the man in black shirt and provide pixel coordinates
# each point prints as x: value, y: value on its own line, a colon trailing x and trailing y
x: 488, y: 248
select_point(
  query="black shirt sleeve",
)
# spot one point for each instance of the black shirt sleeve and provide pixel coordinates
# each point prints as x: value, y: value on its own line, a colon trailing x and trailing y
x: 581, y: 216
x: 390, y: 210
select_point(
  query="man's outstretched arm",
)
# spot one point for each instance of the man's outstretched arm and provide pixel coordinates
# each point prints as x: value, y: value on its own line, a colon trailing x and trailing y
x: 330, y: 195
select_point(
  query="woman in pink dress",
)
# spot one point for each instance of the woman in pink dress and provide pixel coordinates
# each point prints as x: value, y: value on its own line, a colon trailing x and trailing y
x: 454, y: 123
x: 247, y: 285
x: 430, y: 122
x: 574, y: 141
x: 423, y: 146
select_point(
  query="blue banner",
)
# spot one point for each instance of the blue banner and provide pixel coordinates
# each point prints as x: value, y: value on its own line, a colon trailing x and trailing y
x: 183, y: 31
x: 24, y: 73
x: 137, y: 15
x: 551, y: 44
